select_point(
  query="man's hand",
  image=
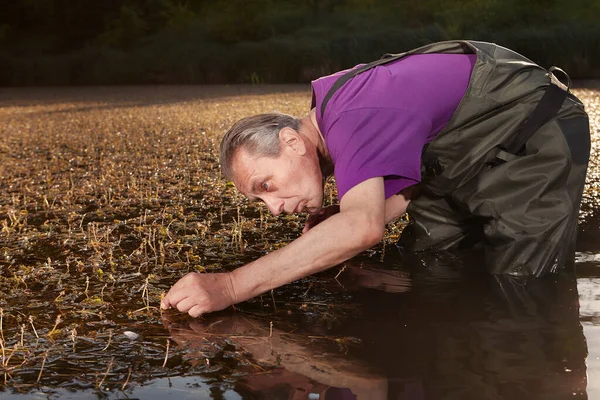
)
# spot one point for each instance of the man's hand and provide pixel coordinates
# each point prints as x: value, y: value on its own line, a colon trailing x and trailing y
x: 320, y: 216
x: 198, y: 293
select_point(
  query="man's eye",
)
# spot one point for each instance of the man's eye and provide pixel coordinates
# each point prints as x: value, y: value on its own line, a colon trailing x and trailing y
x: 265, y: 186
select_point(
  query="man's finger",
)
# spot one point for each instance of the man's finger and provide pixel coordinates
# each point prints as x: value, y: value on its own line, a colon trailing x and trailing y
x: 174, y: 296
x: 165, y: 303
x: 185, y: 304
x: 195, y: 311
x: 171, y: 299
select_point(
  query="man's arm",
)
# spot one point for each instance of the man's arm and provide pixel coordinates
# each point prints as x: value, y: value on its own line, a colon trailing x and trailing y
x: 358, y: 226
x: 395, y: 206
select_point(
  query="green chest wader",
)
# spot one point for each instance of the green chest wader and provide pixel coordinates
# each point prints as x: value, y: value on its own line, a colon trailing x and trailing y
x: 507, y: 170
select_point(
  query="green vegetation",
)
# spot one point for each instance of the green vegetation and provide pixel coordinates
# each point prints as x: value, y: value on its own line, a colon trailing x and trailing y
x: 55, y: 42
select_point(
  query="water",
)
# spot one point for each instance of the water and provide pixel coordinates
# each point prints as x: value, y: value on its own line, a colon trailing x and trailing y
x: 108, y: 195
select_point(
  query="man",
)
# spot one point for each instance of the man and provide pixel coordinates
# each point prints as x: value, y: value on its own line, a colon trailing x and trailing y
x: 476, y: 142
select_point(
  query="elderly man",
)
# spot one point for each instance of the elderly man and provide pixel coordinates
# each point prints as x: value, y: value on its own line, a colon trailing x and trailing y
x: 476, y: 142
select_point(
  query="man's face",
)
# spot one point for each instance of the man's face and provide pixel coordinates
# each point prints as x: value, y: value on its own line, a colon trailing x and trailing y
x: 290, y: 183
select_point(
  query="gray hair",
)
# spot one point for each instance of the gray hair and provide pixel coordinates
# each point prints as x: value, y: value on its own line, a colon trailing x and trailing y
x: 258, y: 134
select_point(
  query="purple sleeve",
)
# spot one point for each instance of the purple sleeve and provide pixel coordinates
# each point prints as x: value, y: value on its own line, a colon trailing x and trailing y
x: 371, y: 142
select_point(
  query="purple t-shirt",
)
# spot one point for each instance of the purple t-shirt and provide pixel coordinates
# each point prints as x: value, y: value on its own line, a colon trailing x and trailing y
x: 379, y: 121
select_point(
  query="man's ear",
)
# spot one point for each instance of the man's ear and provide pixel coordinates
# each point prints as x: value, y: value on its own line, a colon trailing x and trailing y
x: 292, y: 140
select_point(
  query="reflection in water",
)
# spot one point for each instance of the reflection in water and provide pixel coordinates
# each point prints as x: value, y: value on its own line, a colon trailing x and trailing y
x: 453, y: 335
x: 469, y: 336
x: 297, y: 369
x: 588, y: 286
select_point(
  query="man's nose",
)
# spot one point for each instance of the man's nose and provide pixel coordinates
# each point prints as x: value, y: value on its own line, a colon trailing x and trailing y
x: 274, y: 205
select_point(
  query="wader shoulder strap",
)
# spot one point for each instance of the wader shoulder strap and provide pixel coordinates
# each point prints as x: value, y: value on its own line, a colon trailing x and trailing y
x: 450, y: 46
x: 546, y: 109
x: 352, y: 73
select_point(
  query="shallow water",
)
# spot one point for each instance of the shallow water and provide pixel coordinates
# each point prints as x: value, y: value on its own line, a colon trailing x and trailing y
x: 108, y: 195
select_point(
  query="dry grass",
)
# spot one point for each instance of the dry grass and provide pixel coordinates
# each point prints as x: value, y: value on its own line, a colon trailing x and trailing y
x: 107, y: 197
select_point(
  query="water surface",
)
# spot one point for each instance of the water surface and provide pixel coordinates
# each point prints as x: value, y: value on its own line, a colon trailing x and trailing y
x: 109, y: 195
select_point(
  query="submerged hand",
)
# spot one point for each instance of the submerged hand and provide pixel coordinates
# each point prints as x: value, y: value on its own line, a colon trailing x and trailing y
x: 198, y: 293
x: 320, y: 216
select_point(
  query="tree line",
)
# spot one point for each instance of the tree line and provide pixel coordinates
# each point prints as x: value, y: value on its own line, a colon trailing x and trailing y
x: 62, y: 42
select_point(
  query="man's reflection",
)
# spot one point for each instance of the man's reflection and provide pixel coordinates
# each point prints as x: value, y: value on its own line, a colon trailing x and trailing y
x: 438, y: 332
x: 466, y: 335
x: 296, y: 368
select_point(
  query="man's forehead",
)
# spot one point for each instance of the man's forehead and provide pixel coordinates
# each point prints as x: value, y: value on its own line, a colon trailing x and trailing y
x: 243, y: 163
x: 243, y: 157
x: 246, y: 168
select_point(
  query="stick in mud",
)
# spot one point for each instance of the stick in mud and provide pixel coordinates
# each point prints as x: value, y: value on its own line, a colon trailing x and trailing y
x: 53, y: 330
x: 339, y: 273
x: 32, y: 326
x: 74, y: 337
x: 273, y: 298
x: 110, y: 334
x: 2, y: 339
x: 42, y: 369
x: 166, y: 354
x: 110, y: 364
x: 1, y: 324
x: 126, y: 380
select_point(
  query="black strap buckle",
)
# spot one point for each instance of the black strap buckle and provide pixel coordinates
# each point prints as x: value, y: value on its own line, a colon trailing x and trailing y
x: 548, y: 106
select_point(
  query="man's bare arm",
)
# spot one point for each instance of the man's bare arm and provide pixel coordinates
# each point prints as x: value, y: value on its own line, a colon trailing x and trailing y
x: 395, y: 206
x: 358, y: 226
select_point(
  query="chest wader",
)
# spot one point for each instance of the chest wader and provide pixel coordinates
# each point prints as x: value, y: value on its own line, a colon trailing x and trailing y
x: 508, y: 169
